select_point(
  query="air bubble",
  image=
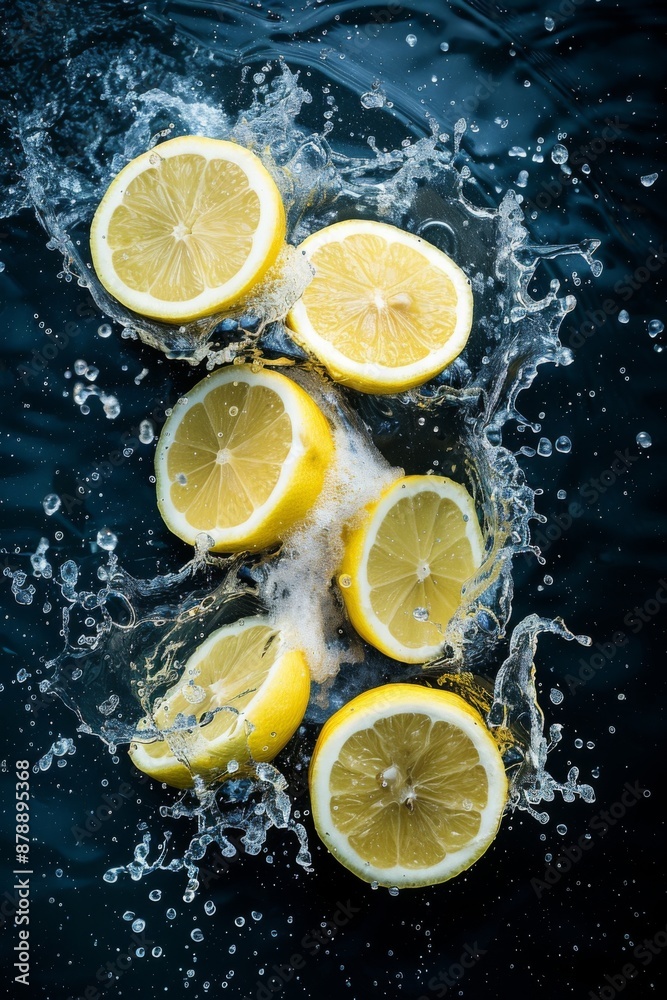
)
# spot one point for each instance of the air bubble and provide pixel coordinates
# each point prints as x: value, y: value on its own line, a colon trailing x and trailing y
x: 104, y: 330
x: 644, y: 439
x: 106, y: 539
x: 411, y: 40
x: 197, y: 935
x: 563, y: 444
x: 559, y: 154
x: 51, y: 503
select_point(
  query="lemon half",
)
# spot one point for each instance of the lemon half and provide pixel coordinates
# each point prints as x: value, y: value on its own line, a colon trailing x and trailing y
x: 407, y: 785
x: 254, y: 691
x: 187, y: 228
x: 386, y: 311
x: 242, y: 458
x: 406, y: 563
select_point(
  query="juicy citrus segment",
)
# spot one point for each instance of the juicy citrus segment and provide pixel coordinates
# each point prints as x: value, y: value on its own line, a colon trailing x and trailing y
x: 405, y: 565
x: 407, y: 785
x: 385, y: 311
x: 187, y: 228
x: 240, y: 698
x: 243, y: 459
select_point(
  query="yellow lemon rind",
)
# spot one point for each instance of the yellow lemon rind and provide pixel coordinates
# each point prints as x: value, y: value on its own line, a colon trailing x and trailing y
x: 301, y: 478
x: 259, y: 733
x: 268, y: 241
x: 361, y: 713
x: 371, y: 377
x: 359, y: 541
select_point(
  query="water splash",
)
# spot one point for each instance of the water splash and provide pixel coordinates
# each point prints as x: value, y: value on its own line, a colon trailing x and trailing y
x: 127, y: 640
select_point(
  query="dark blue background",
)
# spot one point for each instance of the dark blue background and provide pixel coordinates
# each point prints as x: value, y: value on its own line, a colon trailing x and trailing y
x: 561, y: 940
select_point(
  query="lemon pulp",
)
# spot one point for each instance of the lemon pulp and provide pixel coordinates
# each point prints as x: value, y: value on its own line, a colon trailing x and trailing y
x: 187, y: 228
x: 240, y: 698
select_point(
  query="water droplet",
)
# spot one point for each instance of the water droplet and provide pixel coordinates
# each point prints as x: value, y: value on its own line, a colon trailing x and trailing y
x: 155, y: 895
x: 393, y: 891
x: 556, y: 696
x: 421, y: 614
x: 157, y: 951
x: 644, y: 439
x: 549, y: 23
x: 197, y: 935
x: 578, y: 744
x: 562, y: 829
x: 256, y: 915
x: 655, y: 327
x: 345, y: 581
x: 624, y: 316
x: 544, y: 447
x: 559, y: 154
x: 373, y: 99
x: 411, y: 40
x: 106, y: 539
x: 444, y: 46
x: 146, y: 432
x: 128, y: 915
x: 104, y: 330
x: 563, y: 444
x: 239, y: 921
x: 138, y: 925
x: 209, y: 907
x: 171, y: 913
x: 51, y: 503
x: 648, y: 180
x: 562, y: 494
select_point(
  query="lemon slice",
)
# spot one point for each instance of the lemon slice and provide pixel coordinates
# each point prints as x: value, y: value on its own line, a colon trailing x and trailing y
x: 407, y: 785
x: 187, y: 228
x: 240, y: 698
x: 242, y: 458
x: 406, y: 563
x: 386, y: 311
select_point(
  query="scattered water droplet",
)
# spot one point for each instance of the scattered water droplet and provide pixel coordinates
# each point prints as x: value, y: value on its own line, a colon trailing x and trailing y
x: 138, y: 925
x: 421, y: 614
x: 197, y: 935
x: 556, y: 696
x: 444, y: 46
x: 155, y: 895
x: 106, y: 539
x: 549, y: 23
x: 104, y: 330
x: 559, y: 154
x: 544, y: 447
x: 644, y: 439
x: 624, y: 316
x: 51, y: 503
x: 562, y: 829
x: 648, y: 180
x: 655, y: 327
x: 411, y: 40
x: 563, y: 444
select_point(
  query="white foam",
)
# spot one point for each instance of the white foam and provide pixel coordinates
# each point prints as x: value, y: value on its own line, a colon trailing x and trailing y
x: 298, y: 586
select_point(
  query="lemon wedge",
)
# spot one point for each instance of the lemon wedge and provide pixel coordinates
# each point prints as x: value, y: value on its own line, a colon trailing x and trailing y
x: 406, y: 563
x: 240, y: 698
x: 243, y: 459
x: 187, y: 228
x: 407, y: 786
x: 386, y: 311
